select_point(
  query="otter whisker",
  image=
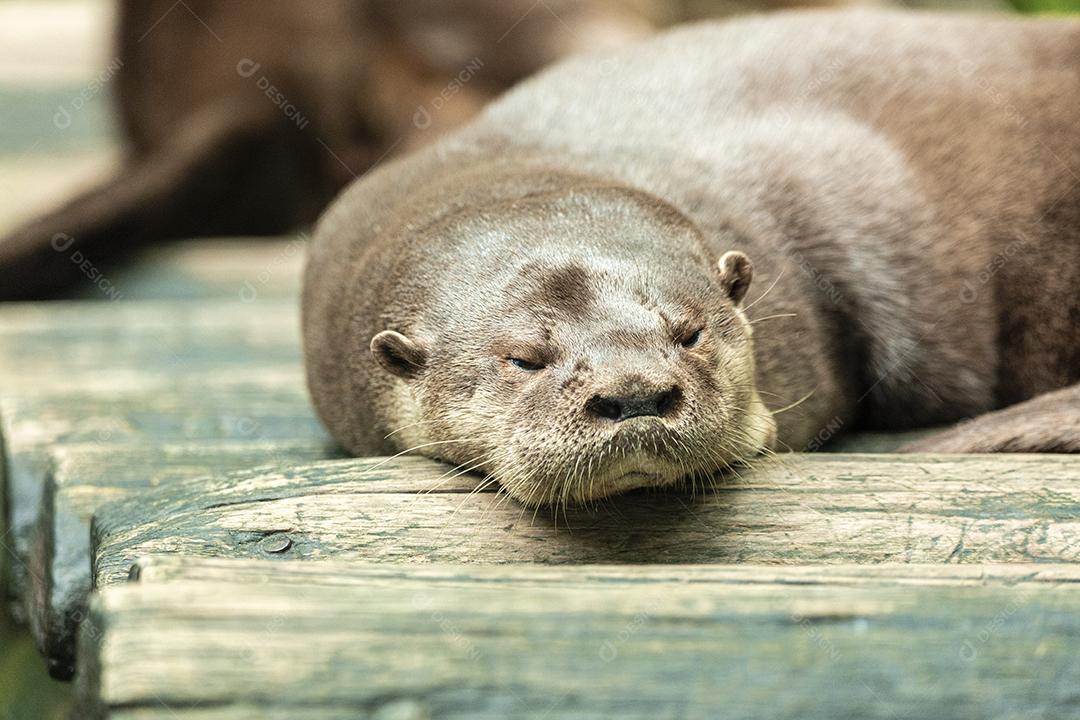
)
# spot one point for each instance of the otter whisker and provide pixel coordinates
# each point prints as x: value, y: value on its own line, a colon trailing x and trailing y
x: 461, y: 470
x: 485, y: 482
x: 764, y: 392
x: 406, y: 427
x: 378, y: 465
x: 536, y: 509
x: 767, y: 291
x: 502, y: 496
x: 483, y: 485
x: 795, y: 404
x: 773, y: 317
x: 445, y: 477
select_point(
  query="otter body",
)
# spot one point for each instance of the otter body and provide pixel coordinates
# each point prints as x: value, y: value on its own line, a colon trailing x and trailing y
x: 556, y: 294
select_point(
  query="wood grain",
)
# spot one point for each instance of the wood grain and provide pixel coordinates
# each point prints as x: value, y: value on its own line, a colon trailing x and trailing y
x: 143, y: 372
x: 158, y: 569
x: 801, y: 509
x: 85, y: 476
x: 584, y: 642
x: 65, y: 346
x: 262, y: 405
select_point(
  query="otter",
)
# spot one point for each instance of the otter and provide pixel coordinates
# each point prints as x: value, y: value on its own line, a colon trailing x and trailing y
x: 246, y: 117
x: 558, y: 295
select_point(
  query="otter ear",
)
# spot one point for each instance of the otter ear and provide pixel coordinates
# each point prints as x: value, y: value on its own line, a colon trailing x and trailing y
x: 398, y: 354
x: 736, y: 271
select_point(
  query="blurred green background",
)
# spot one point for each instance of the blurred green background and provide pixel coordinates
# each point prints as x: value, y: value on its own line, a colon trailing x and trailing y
x: 1047, y: 6
x: 51, y: 51
x: 26, y: 692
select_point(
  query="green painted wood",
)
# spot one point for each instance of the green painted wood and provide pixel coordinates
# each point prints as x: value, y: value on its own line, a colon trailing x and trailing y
x: 142, y: 372
x: 255, y: 404
x: 261, y: 405
x: 65, y: 346
x: 821, y: 508
x: 157, y: 569
x: 86, y: 476
x: 585, y: 642
x: 138, y: 372
x: 30, y: 120
x: 262, y: 269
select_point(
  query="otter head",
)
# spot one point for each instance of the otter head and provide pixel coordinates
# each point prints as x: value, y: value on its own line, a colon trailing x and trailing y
x: 573, y: 346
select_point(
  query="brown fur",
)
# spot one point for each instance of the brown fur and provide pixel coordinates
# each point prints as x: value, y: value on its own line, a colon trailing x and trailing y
x: 904, y: 184
x: 1047, y: 423
x: 209, y: 153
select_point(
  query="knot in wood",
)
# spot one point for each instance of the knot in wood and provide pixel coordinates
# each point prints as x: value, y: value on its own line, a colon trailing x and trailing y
x: 277, y: 543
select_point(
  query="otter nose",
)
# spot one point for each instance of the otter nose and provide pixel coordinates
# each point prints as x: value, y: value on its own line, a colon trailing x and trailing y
x: 623, y: 407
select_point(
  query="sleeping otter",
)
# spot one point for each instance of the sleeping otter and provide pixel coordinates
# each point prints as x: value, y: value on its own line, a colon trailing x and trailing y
x: 557, y: 294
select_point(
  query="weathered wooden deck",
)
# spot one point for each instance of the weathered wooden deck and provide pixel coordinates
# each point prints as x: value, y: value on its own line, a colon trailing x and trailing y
x: 342, y: 640
x: 172, y: 443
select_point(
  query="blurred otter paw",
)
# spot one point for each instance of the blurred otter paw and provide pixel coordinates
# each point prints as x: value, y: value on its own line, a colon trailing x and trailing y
x: 1048, y: 423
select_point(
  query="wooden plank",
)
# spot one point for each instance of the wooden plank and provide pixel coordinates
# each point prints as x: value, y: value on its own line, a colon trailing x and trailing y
x: 64, y: 346
x: 260, y: 404
x: 157, y: 569
x: 235, y: 268
x: 810, y: 508
x: 84, y: 477
x: 868, y: 442
x: 594, y: 642
x: 106, y: 372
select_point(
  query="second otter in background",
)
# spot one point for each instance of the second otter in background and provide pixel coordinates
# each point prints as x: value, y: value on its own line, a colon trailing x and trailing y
x: 245, y: 117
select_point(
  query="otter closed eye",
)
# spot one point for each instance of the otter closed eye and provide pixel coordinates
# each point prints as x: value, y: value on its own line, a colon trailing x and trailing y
x: 689, y: 341
x: 527, y: 365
